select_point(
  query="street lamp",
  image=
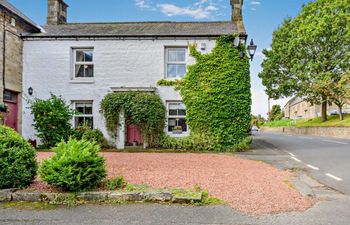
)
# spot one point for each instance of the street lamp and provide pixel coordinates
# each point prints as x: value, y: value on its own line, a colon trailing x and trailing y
x: 252, y: 49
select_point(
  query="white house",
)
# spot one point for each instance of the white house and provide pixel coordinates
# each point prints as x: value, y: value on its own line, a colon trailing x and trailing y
x: 83, y: 62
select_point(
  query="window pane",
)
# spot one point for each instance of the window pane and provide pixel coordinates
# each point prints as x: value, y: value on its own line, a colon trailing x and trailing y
x: 79, y: 56
x: 181, y: 55
x: 182, y: 123
x: 88, y: 109
x: 171, y: 70
x: 171, y: 55
x: 79, y: 70
x: 89, y: 122
x: 89, y: 70
x: 171, y: 124
x: 173, y: 109
x: 88, y: 56
x: 181, y: 70
x: 182, y: 109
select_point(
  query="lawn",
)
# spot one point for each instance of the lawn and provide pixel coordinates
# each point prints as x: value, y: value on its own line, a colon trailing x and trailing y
x: 247, y: 186
x: 333, y: 121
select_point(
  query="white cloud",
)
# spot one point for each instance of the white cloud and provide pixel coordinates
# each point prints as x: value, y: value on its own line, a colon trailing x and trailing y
x: 254, y: 2
x: 200, y: 10
x: 144, y: 4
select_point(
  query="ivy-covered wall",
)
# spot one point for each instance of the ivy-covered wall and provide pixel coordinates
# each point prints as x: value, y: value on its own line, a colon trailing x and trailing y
x: 216, y: 92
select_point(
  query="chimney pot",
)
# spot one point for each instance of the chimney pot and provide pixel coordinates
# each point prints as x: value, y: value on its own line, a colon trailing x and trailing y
x: 237, y: 10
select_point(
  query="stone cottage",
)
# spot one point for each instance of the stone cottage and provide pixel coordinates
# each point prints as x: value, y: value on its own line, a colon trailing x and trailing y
x: 83, y: 62
x: 13, y: 24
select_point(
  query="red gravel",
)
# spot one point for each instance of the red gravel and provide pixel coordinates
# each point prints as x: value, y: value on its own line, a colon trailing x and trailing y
x: 247, y: 186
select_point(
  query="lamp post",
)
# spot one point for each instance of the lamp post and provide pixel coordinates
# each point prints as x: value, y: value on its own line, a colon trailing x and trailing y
x: 252, y: 49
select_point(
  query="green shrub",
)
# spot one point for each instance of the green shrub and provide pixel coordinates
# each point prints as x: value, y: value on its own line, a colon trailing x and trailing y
x: 216, y: 92
x: 88, y: 134
x: 76, y: 166
x: 17, y: 160
x: 116, y: 183
x: 52, y: 120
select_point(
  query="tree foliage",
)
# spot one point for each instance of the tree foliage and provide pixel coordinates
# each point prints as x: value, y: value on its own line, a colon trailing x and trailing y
x: 144, y: 109
x: 309, y: 52
x: 216, y: 92
x: 17, y: 160
x: 276, y: 113
x: 52, y: 120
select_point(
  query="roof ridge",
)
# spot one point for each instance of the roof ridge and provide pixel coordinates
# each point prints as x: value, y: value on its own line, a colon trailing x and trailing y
x: 143, y: 22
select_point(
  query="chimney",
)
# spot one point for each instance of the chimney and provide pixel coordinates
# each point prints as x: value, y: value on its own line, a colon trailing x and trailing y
x: 57, y: 12
x: 237, y: 17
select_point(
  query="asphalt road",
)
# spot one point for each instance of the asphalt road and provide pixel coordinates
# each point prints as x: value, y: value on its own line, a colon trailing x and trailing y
x: 326, y: 159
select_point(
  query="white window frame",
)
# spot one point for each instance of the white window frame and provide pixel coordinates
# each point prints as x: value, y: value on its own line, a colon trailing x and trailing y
x: 167, y: 48
x: 184, y: 133
x: 74, y: 52
x: 74, y: 103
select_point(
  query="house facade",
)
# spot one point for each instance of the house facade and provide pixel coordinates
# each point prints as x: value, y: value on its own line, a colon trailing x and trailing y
x: 13, y: 24
x: 83, y: 62
x: 297, y: 107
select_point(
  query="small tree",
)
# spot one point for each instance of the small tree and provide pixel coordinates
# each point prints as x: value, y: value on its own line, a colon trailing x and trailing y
x: 340, y: 93
x: 52, y: 120
x: 276, y: 113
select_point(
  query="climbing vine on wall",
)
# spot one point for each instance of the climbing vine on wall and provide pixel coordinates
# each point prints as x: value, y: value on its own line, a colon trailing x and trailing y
x: 144, y: 109
x: 216, y: 92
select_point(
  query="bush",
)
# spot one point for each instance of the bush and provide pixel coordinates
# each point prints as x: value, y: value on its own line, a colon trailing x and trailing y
x: 52, y: 119
x: 17, y: 160
x: 92, y: 135
x: 116, y: 183
x: 76, y: 166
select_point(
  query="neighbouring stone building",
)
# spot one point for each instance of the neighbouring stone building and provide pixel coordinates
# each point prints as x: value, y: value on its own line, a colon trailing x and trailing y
x: 13, y: 25
x: 297, y: 107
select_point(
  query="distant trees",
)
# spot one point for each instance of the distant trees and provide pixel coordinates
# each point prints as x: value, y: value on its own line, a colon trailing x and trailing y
x: 310, y: 55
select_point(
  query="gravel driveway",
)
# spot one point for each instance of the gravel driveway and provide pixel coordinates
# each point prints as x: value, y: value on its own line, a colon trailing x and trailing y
x: 247, y: 186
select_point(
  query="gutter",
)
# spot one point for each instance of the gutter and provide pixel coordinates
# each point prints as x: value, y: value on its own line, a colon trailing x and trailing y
x: 3, y: 54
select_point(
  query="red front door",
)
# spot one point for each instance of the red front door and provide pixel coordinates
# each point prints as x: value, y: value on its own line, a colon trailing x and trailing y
x: 11, y: 118
x: 134, y: 135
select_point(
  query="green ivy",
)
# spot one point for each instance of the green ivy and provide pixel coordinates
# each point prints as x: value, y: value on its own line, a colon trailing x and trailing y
x: 164, y: 82
x: 144, y: 109
x: 216, y: 92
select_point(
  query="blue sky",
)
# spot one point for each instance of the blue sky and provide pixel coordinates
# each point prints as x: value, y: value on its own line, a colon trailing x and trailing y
x: 261, y: 17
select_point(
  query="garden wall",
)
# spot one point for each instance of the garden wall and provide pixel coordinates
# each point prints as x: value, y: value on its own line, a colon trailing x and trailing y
x: 336, y: 132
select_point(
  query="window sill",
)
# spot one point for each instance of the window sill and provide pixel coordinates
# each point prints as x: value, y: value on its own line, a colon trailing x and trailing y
x: 82, y: 81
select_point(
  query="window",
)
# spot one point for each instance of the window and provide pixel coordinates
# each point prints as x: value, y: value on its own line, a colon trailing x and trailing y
x: 84, y: 115
x: 83, y: 63
x: 10, y: 96
x: 175, y: 62
x: 177, y: 117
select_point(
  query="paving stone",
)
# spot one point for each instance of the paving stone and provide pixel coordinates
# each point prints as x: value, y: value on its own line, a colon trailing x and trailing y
x: 26, y: 197
x: 6, y: 194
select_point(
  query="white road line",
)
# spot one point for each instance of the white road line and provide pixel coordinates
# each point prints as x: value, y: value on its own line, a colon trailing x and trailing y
x: 291, y: 154
x: 312, y: 167
x: 334, y: 177
x: 308, y: 138
x: 336, y: 142
x: 296, y: 159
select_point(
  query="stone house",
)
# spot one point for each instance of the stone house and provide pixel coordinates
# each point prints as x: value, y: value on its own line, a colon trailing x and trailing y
x: 297, y: 107
x: 83, y: 62
x: 13, y: 25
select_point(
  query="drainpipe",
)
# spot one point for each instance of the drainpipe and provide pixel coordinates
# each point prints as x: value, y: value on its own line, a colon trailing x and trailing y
x: 4, y: 53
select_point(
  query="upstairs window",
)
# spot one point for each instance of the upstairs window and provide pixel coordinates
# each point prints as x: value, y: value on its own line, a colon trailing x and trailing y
x: 84, y: 114
x: 177, y: 117
x: 175, y: 62
x: 83, y: 63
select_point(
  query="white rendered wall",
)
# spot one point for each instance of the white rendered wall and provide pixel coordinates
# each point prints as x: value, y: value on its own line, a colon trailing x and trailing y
x: 117, y: 63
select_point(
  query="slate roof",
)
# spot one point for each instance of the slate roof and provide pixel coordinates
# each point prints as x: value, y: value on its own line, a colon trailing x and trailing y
x: 5, y: 4
x: 139, y: 29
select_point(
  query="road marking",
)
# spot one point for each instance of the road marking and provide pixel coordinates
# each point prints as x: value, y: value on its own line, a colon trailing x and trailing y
x: 336, y: 142
x: 334, y: 177
x: 291, y: 154
x: 312, y: 167
x: 296, y: 159
x: 308, y: 138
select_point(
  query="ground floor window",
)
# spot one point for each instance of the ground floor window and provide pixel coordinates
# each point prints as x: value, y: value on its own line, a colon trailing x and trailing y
x: 84, y: 114
x: 177, y: 117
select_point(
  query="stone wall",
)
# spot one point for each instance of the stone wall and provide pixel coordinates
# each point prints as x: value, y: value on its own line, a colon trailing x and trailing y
x: 336, y: 132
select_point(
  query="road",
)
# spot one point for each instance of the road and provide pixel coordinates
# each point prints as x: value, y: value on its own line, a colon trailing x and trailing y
x: 326, y: 159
